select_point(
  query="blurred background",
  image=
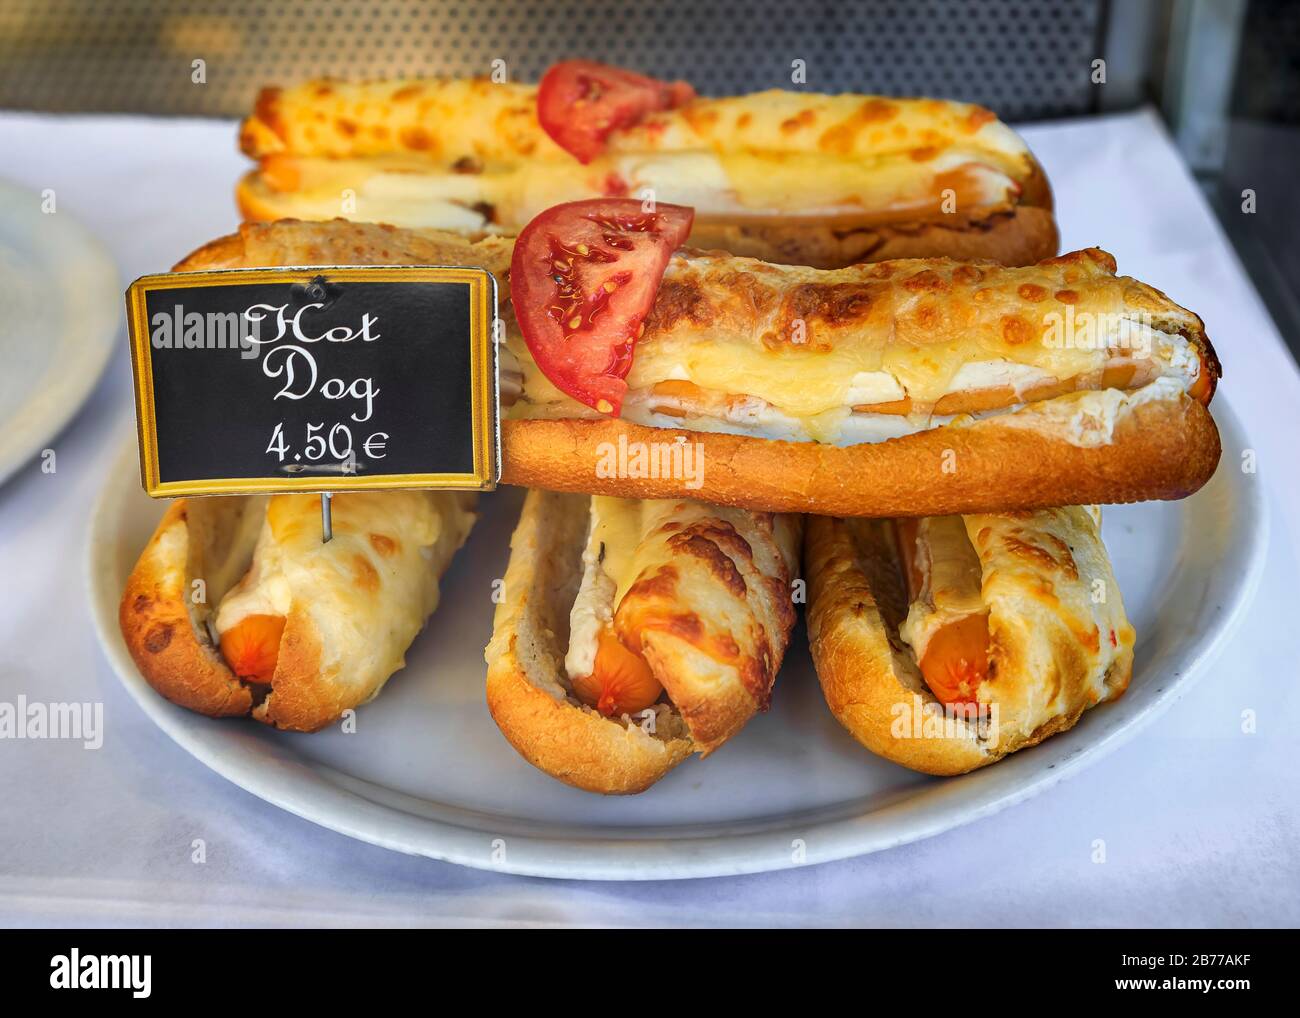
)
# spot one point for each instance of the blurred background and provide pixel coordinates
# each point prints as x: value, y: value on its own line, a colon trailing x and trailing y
x: 1225, y: 74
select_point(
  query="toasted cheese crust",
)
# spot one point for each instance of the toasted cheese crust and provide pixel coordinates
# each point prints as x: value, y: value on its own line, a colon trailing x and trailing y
x: 708, y: 596
x: 734, y: 338
x: 1059, y: 638
x: 341, y: 242
x: 445, y: 119
x: 351, y: 607
x: 427, y: 119
x: 809, y: 178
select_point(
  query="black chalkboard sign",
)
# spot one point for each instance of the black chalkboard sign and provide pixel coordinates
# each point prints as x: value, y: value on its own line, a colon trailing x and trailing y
x: 315, y: 379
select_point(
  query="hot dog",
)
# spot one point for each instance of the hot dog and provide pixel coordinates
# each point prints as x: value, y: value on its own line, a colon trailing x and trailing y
x: 914, y: 387
x: 632, y: 634
x: 793, y: 177
x: 283, y: 627
x: 945, y: 643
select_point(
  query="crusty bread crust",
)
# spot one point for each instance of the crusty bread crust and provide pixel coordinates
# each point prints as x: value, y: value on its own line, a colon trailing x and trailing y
x: 1163, y: 449
x: 1035, y: 189
x: 345, y: 242
x: 165, y: 627
x: 526, y: 658
x: 1022, y: 235
x: 223, y: 253
x: 301, y: 701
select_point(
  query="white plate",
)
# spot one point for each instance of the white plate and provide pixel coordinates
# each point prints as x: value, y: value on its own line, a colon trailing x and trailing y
x: 62, y: 307
x: 428, y: 773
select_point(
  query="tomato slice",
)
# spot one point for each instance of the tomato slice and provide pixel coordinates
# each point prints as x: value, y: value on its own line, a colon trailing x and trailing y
x: 582, y: 279
x: 579, y: 102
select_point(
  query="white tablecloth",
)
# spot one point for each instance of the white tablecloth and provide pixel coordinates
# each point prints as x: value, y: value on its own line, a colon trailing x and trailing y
x: 1201, y: 821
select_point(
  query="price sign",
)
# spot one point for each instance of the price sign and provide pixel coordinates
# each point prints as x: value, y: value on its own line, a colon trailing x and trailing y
x: 315, y: 379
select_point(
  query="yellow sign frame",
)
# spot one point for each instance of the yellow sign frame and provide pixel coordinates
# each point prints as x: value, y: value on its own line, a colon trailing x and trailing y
x: 484, y: 408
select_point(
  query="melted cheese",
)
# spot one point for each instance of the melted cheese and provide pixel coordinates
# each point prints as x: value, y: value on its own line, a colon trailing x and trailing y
x: 816, y: 185
x: 1085, y: 419
x: 791, y: 381
x: 1088, y: 419
x: 618, y: 526
x: 264, y: 590
x: 795, y: 393
x: 820, y: 355
x: 952, y: 581
x: 437, y: 120
x: 977, y: 375
x: 616, y: 529
x: 365, y: 594
x: 735, y: 186
x: 873, y: 387
x: 1044, y: 572
x: 803, y: 383
x: 800, y: 403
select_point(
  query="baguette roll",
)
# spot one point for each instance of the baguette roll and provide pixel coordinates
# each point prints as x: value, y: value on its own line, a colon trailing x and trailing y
x: 914, y: 387
x: 284, y: 627
x: 800, y: 178
x: 633, y: 634
x: 1008, y: 629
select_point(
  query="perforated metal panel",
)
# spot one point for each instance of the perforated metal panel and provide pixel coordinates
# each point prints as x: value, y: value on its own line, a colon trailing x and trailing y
x: 1268, y: 78
x: 1023, y: 59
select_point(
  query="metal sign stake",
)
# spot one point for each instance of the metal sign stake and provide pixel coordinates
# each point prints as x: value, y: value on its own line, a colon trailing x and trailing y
x: 326, y: 523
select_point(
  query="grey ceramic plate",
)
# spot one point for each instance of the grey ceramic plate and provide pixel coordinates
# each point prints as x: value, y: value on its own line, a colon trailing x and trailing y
x: 63, y: 307
x: 428, y: 773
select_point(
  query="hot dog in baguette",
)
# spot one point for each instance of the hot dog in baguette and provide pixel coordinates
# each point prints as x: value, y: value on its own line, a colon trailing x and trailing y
x: 282, y: 626
x: 912, y: 387
x: 947, y: 642
x: 633, y: 634
x: 900, y: 388
x: 793, y: 177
